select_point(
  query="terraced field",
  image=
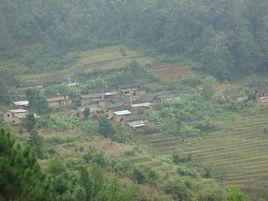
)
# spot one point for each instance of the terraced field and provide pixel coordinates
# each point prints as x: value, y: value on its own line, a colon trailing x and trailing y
x: 237, y: 151
x: 162, y: 168
x: 108, y: 58
x: 102, y: 59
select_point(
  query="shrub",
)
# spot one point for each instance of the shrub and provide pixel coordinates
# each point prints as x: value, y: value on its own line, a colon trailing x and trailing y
x: 144, y: 174
x: 207, y: 172
x: 186, y: 170
x: 235, y: 194
x: 178, y: 190
x: 176, y: 159
x: 93, y: 156
x: 60, y: 139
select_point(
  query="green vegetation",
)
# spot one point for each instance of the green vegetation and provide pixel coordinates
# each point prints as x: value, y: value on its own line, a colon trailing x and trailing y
x: 234, y: 153
x: 202, y: 65
x: 235, y: 194
x: 86, y: 114
x: 21, y: 177
x: 231, y: 40
x: 188, y: 116
x: 106, y: 128
x: 62, y: 179
x: 37, y: 102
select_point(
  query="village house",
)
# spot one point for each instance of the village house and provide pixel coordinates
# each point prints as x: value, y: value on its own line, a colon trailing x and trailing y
x: 93, y: 100
x: 112, y: 95
x: 119, y: 115
x: 135, y: 122
x: 59, y: 100
x: 261, y: 93
x: 262, y: 97
x: 133, y: 89
x: 263, y: 100
x: 15, y: 116
x: 119, y: 107
x: 118, y: 112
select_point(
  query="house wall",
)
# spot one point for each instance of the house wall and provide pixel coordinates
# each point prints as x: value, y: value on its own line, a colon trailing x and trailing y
x: 139, y: 92
x: 130, y: 128
x: 53, y: 103
x: 102, y: 104
x: 58, y: 103
x: 117, y: 119
x: 10, y: 118
x: 262, y: 94
x: 110, y: 114
x: 263, y: 100
x: 84, y: 102
x: 87, y: 102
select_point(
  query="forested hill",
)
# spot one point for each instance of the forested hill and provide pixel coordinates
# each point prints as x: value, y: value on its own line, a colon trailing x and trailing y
x: 225, y: 37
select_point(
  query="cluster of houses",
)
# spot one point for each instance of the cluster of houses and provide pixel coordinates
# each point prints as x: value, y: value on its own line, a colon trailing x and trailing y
x: 127, y: 105
x: 122, y: 105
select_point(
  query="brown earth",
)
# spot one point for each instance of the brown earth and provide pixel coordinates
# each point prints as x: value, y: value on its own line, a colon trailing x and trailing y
x: 171, y: 71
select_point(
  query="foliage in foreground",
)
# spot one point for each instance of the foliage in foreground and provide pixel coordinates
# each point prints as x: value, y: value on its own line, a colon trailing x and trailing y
x: 21, y: 178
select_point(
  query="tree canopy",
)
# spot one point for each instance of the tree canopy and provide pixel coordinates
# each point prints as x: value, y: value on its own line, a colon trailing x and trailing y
x: 222, y: 36
x: 21, y: 177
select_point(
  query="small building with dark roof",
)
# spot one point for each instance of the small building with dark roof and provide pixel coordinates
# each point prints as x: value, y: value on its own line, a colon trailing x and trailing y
x: 15, y: 116
x: 96, y: 99
x: 135, y: 122
x: 132, y: 89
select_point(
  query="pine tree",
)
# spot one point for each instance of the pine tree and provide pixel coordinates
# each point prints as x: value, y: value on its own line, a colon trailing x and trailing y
x: 29, y: 123
x: 21, y: 177
x: 86, y: 114
x: 35, y: 142
x: 106, y: 128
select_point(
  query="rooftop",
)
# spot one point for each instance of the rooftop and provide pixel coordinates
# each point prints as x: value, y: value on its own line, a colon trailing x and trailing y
x: 92, y: 96
x: 145, y: 104
x: 112, y: 93
x: 130, y: 86
x: 122, y: 112
x: 18, y: 111
x: 21, y: 103
x: 136, y: 124
x: 134, y: 118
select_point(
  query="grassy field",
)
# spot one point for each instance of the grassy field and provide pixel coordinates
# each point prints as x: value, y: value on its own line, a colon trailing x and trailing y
x: 237, y: 151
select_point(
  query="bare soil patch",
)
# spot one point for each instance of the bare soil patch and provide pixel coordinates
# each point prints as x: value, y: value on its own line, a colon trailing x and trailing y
x: 172, y: 71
